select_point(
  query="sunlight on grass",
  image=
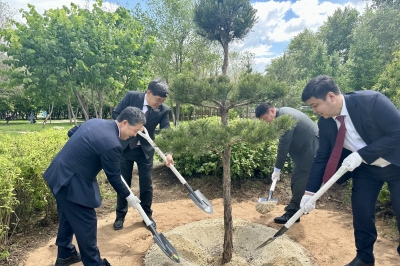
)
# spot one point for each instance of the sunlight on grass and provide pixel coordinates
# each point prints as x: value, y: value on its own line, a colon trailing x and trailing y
x: 22, y: 126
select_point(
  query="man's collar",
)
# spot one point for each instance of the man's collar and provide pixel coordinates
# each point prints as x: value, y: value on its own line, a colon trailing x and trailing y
x: 344, y: 111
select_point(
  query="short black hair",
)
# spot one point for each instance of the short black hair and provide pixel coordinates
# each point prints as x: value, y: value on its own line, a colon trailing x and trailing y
x: 133, y: 115
x: 158, y: 87
x: 263, y: 108
x: 319, y: 87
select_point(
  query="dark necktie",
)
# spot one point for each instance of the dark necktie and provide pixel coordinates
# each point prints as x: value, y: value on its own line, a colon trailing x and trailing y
x: 133, y: 143
x: 336, y: 152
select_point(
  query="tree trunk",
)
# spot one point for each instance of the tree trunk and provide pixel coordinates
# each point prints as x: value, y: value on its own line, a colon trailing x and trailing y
x: 226, y: 56
x: 228, y: 223
x: 177, y: 113
x: 48, y: 115
x: 100, y: 99
x: 71, y: 110
x: 83, y: 104
x: 94, y: 104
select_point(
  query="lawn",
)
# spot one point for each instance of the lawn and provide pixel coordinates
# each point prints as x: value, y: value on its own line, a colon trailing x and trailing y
x: 22, y: 126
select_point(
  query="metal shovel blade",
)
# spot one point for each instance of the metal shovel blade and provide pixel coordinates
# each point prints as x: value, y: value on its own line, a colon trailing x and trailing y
x: 201, y: 201
x: 163, y: 243
x: 279, y: 233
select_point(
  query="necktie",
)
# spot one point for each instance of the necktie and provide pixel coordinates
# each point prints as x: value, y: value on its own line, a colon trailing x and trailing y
x: 134, y: 143
x: 336, y: 152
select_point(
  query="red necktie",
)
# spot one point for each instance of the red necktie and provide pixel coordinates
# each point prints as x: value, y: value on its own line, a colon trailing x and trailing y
x: 336, y: 152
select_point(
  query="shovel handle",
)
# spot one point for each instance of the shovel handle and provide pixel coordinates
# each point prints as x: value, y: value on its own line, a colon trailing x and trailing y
x: 162, y: 155
x: 341, y: 171
x: 137, y: 206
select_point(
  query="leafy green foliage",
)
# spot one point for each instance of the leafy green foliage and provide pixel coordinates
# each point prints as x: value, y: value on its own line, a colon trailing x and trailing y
x: 224, y: 22
x: 197, y: 149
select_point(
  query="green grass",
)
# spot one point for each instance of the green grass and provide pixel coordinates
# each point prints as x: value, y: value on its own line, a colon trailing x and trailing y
x: 21, y: 126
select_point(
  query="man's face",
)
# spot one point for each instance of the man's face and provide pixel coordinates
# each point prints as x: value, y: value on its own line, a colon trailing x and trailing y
x: 269, y: 116
x: 325, y: 108
x: 153, y: 100
x: 127, y: 131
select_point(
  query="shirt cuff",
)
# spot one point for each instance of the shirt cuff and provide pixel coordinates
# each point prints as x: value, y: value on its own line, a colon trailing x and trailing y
x: 310, y: 192
x: 276, y: 170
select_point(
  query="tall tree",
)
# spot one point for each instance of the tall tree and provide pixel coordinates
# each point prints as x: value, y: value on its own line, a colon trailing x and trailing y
x: 224, y: 21
x: 336, y: 32
x: 220, y: 94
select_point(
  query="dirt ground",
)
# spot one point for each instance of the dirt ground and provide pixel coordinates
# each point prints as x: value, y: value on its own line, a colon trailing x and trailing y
x: 326, y: 233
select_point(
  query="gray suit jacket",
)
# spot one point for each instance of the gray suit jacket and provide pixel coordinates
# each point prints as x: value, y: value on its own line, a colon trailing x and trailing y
x: 301, y: 142
x: 157, y: 116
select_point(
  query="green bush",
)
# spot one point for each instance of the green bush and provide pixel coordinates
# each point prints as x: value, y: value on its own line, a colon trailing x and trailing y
x: 247, y: 161
x: 24, y: 196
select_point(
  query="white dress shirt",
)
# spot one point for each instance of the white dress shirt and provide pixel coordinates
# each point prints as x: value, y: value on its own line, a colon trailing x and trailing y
x: 353, y: 140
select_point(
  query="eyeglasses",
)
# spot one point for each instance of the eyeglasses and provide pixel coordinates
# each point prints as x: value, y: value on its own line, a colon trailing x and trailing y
x: 158, y: 99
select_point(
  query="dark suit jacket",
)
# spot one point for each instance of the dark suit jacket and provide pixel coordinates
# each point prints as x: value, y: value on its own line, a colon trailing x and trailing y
x: 93, y: 147
x: 157, y: 116
x: 301, y: 142
x: 376, y: 120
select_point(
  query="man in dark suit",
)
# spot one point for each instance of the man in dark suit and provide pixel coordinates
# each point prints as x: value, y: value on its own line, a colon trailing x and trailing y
x: 371, y: 148
x: 301, y: 143
x: 138, y: 149
x: 71, y: 176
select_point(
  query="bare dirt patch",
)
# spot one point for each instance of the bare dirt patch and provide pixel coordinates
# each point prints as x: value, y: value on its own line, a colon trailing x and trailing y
x: 326, y: 233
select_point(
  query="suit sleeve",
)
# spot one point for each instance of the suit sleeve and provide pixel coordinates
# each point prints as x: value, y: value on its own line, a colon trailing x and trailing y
x: 111, y: 166
x: 387, y: 118
x: 164, y: 122
x: 121, y: 106
x: 283, y: 148
x: 72, y: 131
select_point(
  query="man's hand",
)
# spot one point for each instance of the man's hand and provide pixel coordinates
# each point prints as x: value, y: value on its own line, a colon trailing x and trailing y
x: 304, y: 205
x: 353, y: 160
x: 132, y: 200
x: 170, y: 160
x: 276, y: 175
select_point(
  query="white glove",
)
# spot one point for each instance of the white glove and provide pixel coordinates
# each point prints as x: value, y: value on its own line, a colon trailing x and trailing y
x: 276, y: 175
x: 306, y: 207
x: 132, y: 200
x: 353, y: 160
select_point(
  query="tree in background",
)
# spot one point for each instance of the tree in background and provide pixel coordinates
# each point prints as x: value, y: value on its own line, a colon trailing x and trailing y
x: 202, y: 136
x: 389, y: 81
x: 336, y: 33
x: 74, y: 52
x: 224, y: 21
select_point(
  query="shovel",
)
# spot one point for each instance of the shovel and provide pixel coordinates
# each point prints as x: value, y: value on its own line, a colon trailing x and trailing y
x: 265, y: 205
x: 198, y: 198
x: 159, y: 239
x: 341, y: 171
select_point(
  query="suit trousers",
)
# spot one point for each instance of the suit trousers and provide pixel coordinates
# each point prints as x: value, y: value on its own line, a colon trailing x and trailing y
x: 298, y: 184
x: 145, y: 168
x: 367, y: 183
x: 81, y: 221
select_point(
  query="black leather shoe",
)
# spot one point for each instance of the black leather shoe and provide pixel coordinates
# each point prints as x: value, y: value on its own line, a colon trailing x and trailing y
x: 283, y: 219
x: 154, y: 223
x: 357, y: 262
x: 119, y: 223
x: 398, y: 249
x: 68, y: 261
x: 105, y: 263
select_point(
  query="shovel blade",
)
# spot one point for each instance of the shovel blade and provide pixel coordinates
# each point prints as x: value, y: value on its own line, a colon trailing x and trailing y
x: 201, y: 201
x: 266, y: 200
x: 166, y: 247
x: 266, y: 242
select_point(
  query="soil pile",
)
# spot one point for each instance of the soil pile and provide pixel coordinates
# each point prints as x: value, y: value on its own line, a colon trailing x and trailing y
x: 200, y: 243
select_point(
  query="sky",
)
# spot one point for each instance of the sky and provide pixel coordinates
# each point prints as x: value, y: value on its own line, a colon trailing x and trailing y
x: 278, y: 21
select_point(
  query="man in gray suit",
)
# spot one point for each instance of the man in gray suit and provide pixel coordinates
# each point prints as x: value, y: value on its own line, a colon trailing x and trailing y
x: 301, y: 143
x: 138, y: 149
